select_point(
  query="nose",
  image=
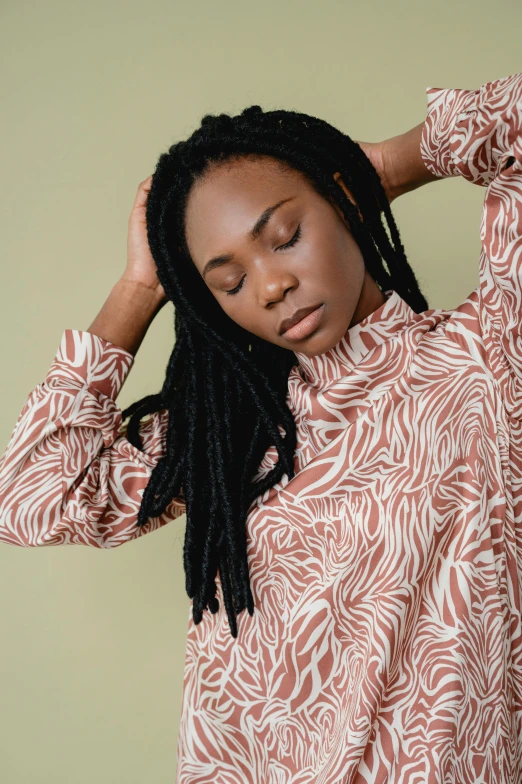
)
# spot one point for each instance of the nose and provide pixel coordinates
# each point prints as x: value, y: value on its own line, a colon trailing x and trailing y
x: 273, y: 285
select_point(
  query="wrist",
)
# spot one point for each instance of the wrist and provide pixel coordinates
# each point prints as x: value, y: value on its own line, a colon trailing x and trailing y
x: 148, y: 296
x: 403, y: 163
x: 126, y: 314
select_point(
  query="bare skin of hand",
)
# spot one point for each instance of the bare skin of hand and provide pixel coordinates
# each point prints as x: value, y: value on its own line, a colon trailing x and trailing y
x: 399, y: 162
x: 375, y: 152
x: 141, y: 267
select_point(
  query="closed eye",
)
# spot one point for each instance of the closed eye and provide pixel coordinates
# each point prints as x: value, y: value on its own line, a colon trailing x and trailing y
x: 293, y: 240
x: 288, y: 244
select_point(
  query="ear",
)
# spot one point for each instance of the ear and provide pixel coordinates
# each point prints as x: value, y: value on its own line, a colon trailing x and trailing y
x: 339, y: 180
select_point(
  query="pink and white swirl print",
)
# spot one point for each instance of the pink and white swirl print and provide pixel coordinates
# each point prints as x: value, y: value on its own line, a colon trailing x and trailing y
x: 386, y: 642
x: 68, y: 474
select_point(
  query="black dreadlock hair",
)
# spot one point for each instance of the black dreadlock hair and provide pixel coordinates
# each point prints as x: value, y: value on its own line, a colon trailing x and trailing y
x: 225, y: 389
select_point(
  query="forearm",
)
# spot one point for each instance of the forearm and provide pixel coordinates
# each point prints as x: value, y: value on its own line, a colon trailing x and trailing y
x: 404, y: 167
x: 127, y: 314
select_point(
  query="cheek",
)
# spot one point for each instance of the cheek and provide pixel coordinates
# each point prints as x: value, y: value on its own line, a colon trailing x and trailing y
x: 248, y: 321
x: 252, y: 319
x: 350, y: 257
x: 240, y: 312
x: 338, y: 264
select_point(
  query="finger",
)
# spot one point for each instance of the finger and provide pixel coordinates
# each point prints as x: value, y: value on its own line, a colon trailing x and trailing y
x: 144, y: 187
x: 142, y: 192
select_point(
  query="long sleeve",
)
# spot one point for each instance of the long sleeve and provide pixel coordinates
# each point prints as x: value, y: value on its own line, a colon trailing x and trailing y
x: 473, y: 133
x: 69, y: 475
x: 478, y: 134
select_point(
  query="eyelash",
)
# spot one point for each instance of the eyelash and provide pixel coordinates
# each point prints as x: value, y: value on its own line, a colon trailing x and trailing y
x: 288, y: 244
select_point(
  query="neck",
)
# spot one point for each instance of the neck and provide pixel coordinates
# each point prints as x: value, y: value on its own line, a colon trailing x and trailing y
x: 371, y: 298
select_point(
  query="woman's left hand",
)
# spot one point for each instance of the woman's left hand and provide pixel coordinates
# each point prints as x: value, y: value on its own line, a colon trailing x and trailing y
x: 399, y: 162
x: 375, y: 151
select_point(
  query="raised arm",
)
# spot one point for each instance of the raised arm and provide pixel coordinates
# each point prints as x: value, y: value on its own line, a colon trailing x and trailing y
x: 472, y: 133
x: 399, y: 162
x: 126, y: 314
x: 69, y: 475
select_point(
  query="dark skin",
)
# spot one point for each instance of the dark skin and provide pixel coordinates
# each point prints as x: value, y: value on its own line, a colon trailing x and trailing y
x: 323, y: 266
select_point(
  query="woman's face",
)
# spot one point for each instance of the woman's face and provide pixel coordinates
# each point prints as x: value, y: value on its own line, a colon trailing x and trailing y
x: 302, y: 256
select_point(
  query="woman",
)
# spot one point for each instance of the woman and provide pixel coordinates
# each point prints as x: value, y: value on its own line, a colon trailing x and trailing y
x: 348, y: 459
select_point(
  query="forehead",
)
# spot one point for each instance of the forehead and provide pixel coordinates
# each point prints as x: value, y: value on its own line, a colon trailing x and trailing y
x: 253, y: 175
x: 231, y: 195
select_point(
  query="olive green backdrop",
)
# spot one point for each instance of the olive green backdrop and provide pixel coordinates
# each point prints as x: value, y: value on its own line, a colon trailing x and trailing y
x: 93, y: 641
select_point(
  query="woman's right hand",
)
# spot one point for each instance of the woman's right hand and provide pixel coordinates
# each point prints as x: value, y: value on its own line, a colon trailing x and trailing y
x: 141, y: 267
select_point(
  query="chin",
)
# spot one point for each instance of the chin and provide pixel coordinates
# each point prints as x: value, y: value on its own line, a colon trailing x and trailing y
x: 323, y: 340
x: 317, y: 344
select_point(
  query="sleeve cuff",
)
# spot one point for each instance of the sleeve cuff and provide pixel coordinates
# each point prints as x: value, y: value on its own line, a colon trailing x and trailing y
x: 87, y: 359
x: 446, y: 107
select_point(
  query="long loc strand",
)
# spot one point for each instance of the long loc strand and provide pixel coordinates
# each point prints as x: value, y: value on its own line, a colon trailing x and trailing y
x: 224, y: 488
x: 210, y: 559
x: 192, y: 548
x: 245, y: 598
x: 226, y: 390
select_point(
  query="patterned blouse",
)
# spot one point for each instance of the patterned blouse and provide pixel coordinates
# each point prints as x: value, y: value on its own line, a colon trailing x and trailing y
x: 386, y: 641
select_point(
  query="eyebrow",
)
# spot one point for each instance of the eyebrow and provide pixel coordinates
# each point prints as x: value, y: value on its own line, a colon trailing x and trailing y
x: 254, y: 233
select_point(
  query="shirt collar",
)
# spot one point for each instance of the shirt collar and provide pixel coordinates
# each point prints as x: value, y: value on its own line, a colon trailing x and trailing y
x: 393, y: 315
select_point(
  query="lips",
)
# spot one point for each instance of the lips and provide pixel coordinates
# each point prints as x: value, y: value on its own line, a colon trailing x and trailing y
x: 298, y: 315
